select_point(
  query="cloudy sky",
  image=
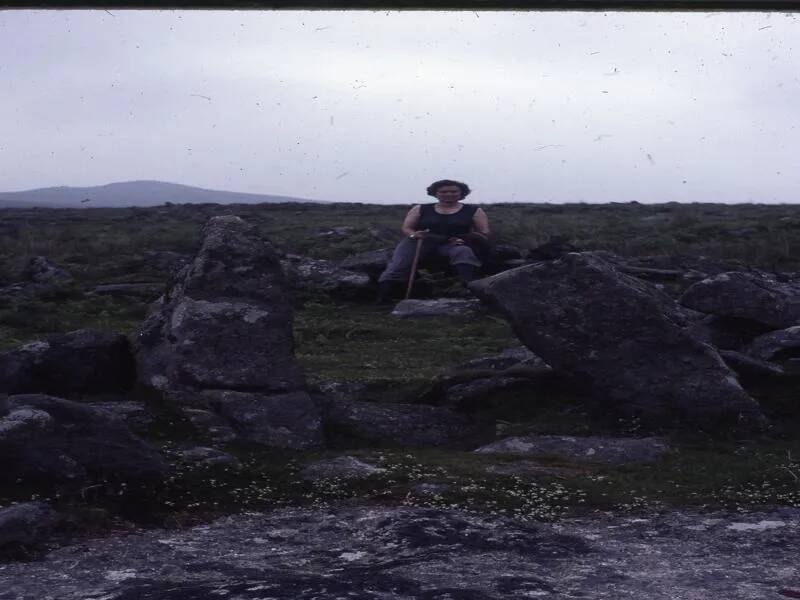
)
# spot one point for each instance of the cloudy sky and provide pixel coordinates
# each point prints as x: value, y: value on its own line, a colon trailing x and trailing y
x: 372, y: 106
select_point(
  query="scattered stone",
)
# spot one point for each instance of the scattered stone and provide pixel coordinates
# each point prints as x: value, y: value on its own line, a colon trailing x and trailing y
x: 343, y: 390
x: 341, y: 467
x: 431, y: 488
x: 510, y: 357
x: 533, y: 470
x: 134, y: 414
x: 622, y: 339
x: 754, y: 296
x: 49, y: 440
x: 212, y: 426
x: 209, y: 457
x: 441, y: 307
x: 27, y: 524
x: 372, y: 262
x: 82, y: 361
x: 768, y: 345
x: 613, y: 451
x: 291, y: 420
x: 324, y: 275
x: 40, y: 270
x: 398, y: 424
x: 335, y: 231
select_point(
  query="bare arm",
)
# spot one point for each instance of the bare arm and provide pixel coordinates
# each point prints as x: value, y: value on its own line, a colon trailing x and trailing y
x: 411, y: 221
x: 480, y: 223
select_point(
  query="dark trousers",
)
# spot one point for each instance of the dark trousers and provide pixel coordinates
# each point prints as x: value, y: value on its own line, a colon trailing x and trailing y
x: 399, y: 268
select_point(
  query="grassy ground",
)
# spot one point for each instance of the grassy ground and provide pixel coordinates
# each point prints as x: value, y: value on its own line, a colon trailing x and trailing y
x: 397, y: 359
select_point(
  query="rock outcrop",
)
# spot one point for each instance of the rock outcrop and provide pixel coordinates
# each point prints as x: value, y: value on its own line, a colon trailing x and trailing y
x: 83, y: 361
x: 225, y: 324
x: 623, y: 339
x: 754, y: 296
x: 46, y: 441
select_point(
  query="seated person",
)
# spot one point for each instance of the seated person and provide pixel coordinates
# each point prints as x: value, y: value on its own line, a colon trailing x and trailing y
x: 448, y: 228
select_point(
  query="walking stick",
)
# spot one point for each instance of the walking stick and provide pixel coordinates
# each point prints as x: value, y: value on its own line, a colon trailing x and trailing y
x: 414, y: 267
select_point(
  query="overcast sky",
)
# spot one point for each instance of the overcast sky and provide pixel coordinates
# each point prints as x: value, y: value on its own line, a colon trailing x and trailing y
x: 373, y: 106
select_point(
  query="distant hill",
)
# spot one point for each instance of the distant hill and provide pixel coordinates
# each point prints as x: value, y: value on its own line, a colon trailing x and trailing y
x: 131, y: 193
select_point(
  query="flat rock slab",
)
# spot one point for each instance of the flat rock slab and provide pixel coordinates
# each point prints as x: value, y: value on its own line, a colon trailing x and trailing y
x: 531, y: 470
x: 399, y: 425
x: 613, y: 451
x: 389, y: 553
x: 340, y: 467
x: 441, y: 307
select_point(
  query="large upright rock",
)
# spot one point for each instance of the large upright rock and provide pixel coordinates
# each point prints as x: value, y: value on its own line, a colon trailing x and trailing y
x: 621, y: 337
x: 226, y: 324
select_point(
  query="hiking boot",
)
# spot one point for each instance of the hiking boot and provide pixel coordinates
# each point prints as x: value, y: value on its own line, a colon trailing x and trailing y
x: 386, y: 292
x: 466, y: 273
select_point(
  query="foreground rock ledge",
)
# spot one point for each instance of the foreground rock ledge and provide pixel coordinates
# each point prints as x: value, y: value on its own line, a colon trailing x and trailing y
x: 389, y: 553
x: 624, y: 339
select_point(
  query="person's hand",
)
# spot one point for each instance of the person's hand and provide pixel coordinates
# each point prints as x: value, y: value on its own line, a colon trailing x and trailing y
x: 418, y: 235
x: 456, y: 241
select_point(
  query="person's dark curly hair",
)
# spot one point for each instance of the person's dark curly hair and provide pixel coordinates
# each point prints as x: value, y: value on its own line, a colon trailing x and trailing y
x: 432, y: 188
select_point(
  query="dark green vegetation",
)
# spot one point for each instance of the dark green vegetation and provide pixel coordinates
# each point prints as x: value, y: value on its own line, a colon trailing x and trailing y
x: 339, y: 341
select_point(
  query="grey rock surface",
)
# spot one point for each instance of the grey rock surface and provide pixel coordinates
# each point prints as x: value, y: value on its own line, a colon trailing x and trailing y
x: 211, y: 425
x: 46, y: 440
x: 623, y: 339
x: 398, y: 424
x: 41, y: 270
x: 134, y: 414
x: 325, y: 275
x: 27, y: 523
x: 613, y: 451
x: 340, y: 467
x: 372, y: 262
x: 225, y: 326
x: 439, y: 307
x: 226, y: 322
x: 82, y: 361
x: 510, y: 357
x: 764, y: 347
x: 382, y: 553
x: 749, y: 367
x: 292, y: 420
x: 755, y: 296
x: 206, y: 457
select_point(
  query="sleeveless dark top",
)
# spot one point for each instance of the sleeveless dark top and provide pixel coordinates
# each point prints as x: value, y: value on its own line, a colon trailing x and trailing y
x: 456, y: 224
